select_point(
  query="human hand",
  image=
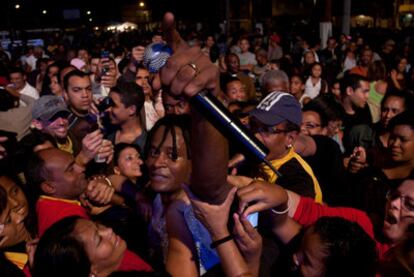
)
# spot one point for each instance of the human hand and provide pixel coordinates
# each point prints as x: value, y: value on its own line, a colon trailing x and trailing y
x: 213, y: 217
x: 91, y: 145
x: 238, y: 180
x: 188, y: 70
x: 31, y: 250
x: 106, y: 151
x: 3, y: 152
x: 109, y: 79
x: 248, y: 241
x: 357, y: 160
x: 98, y: 191
x: 260, y: 196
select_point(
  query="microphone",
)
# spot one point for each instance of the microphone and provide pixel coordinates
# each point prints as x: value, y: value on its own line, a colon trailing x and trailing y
x: 215, y: 112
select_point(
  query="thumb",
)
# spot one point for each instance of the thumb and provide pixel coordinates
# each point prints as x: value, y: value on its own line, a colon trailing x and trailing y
x: 230, y: 196
x: 172, y: 37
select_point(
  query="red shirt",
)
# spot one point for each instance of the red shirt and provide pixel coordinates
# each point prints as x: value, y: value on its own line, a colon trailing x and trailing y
x: 308, y: 212
x: 132, y: 262
x: 50, y: 210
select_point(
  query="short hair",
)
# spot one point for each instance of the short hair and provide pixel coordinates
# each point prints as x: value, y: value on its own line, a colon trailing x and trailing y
x: 404, y: 118
x: 16, y: 70
x: 36, y: 173
x: 406, y: 96
x: 121, y: 147
x: 315, y: 106
x: 71, y: 74
x: 353, y: 81
x: 131, y: 94
x: 170, y: 122
x: 59, y: 253
x: 350, y: 250
x: 273, y: 76
x: 225, y: 80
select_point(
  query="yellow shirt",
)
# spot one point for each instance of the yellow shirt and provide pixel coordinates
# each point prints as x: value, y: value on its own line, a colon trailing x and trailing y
x: 18, y: 259
x: 272, y: 177
x: 67, y: 147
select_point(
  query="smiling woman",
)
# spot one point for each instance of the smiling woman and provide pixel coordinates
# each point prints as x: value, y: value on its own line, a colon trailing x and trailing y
x: 79, y: 247
x: 14, y: 217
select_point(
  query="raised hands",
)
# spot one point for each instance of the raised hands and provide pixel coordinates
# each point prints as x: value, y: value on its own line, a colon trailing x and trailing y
x: 188, y: 70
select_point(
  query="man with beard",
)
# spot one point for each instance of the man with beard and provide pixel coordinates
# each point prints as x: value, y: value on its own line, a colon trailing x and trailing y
x: 50, y: 116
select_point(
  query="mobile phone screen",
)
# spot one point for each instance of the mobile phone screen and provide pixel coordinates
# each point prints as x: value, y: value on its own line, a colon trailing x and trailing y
x: 253, y: 219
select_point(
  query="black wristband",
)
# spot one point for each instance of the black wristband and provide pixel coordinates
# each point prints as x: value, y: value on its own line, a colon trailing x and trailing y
x: 216, y: 243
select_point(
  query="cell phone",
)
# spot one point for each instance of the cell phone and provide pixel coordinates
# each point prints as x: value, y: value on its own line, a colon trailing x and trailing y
x: 253, y: 219
x: 105, y: 64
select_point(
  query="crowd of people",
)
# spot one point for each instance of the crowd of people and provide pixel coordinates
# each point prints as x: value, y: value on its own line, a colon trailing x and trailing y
x: 106, y: 169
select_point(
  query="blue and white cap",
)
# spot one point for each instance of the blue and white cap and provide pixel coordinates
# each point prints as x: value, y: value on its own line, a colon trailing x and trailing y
x: 278, y: 107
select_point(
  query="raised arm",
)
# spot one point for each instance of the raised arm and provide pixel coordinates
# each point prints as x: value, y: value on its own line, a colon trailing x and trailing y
x: 187, y: 72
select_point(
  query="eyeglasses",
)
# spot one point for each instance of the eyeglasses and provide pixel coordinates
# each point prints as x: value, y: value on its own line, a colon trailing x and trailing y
x: 310, y: 125
x: 406, y: 202
x: 257, y: 128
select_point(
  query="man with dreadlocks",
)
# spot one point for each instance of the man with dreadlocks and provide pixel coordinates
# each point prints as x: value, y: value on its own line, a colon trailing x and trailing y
x: 176, y: 235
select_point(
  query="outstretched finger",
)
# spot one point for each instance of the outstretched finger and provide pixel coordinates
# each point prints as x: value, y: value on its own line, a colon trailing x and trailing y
x: 173, y: 38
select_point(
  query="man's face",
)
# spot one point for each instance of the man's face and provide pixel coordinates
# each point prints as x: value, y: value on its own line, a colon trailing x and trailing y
x: 57, y: 127
x: 83, y: 55
x: 118, y: 113
x: 275, y: 138
x: 233, y: 64
x: 175, y: 106
x: 244, y: 45
x: 67, y: 179
x: 168, y: 174
x: 142, y: 79
x: 157, y: 39
x: 359, y: 96
x: 94, y: 65
x: 331, y: 43
x: 18, y: 80
x: 366, y: 57
x: 79, y: 94
x: 393, y: 105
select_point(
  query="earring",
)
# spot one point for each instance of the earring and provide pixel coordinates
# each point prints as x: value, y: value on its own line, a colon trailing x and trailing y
x: 289, y: 146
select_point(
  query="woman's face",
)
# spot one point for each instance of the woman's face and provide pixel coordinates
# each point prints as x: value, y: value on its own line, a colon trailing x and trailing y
x: 129, y: 163
x: 55, y: 86
x: 311, y: 124
x: 168, y: 174
x: 402, y: 65
x: 104, y: 248
x: 309, y: 57
x: 12, y: 229
x: 401, y: 143
x: 399, y: 211
x: 316, y: 71
x: 309, y: 258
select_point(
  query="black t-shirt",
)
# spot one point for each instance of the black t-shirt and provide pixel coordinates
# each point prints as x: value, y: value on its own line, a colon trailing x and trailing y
x: 296, y: 179
x: 328, y: 168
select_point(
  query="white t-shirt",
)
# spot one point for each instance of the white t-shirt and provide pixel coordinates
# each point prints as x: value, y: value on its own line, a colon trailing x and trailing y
x: 29, y: 91
x: 247, y: 58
